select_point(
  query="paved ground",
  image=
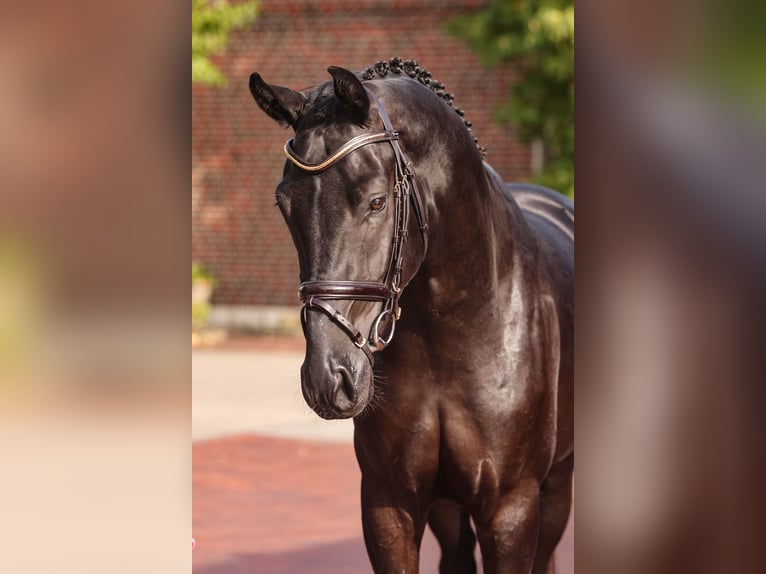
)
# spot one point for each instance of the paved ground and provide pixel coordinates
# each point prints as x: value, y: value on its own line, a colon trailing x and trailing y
x: 255, y: 391
x: 275, y: 488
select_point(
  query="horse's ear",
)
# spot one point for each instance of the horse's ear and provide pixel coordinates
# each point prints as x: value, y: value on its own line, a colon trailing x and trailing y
x: 282, y: 104
x: 350, y: 92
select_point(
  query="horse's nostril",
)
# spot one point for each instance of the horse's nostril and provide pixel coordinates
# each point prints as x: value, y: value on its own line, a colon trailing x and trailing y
x: 345, y: 391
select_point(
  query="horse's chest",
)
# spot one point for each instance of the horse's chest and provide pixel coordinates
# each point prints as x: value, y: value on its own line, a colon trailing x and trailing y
x: 466, y: 463
x: 487, y: 444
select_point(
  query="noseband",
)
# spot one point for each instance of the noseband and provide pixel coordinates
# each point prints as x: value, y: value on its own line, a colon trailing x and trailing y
x: 316, y: 294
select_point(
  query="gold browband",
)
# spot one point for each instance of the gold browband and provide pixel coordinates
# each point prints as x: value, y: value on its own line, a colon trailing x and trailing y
x: 344, y: 150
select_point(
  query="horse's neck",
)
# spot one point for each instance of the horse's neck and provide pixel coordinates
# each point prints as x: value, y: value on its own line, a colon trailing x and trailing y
x: 480, y: 240
x: 478, y: 234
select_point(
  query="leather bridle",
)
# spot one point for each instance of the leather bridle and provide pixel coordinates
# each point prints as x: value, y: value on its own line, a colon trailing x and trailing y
x: 316, y: 294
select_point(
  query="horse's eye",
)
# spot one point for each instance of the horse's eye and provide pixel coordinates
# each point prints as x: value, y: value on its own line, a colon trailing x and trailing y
x: 378, y: 203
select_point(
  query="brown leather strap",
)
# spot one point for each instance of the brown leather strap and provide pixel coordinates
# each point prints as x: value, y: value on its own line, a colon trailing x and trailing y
x: 361, y: 290
x: 351, y: 145
x: 405, y: 171
x: 337, y: 317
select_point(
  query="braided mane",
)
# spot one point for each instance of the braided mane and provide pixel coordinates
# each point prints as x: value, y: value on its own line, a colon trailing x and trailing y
x: 410, y: 67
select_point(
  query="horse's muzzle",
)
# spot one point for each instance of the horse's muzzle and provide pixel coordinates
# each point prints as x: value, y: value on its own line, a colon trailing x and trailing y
x: 333, y: 391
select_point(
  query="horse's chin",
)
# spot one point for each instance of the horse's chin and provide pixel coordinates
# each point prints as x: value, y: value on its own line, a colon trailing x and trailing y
x: 336, y: 414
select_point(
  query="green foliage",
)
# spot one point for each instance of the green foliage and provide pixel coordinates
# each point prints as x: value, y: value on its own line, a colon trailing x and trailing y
x: 538, y: 35
x: 211, y: 24
x: 727, y: 56
x: 200, y: 312
x: 203, y: 282
x: 201, y: 273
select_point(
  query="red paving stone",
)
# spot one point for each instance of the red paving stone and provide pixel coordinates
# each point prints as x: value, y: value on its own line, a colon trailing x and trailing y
x: 280, y: 506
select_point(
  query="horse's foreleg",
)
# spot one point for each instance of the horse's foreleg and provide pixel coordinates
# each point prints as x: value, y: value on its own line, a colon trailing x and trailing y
x: 555, y: 504
x: 508, y: 537
x: 451, y: 526
x: 393, y: 529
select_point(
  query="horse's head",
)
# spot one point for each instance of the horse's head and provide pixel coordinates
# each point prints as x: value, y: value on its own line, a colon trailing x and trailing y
x: 345, y: 195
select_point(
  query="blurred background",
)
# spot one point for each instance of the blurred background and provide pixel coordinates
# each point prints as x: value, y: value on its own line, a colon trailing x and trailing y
x: 671, y: 269
x: 95, y: 393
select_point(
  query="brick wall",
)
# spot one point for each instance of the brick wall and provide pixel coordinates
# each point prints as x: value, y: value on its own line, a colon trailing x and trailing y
x: 236, y: 149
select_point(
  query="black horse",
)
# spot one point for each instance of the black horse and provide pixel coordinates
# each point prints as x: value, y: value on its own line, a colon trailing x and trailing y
x: 464, y: 416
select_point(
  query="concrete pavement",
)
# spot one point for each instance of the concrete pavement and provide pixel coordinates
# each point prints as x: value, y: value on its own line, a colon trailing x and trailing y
x: 255, y: 391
